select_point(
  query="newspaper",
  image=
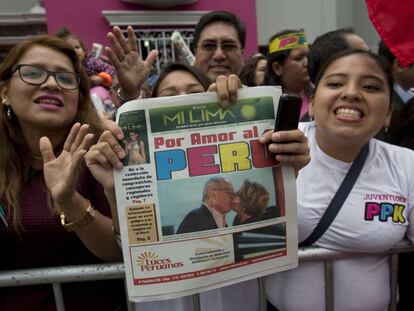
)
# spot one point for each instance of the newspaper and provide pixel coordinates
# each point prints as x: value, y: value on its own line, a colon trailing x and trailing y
x: 176, y: 146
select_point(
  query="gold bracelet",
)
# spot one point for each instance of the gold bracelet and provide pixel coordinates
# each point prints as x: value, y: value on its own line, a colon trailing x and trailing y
x: 121, y: 99
x: 87, y: 216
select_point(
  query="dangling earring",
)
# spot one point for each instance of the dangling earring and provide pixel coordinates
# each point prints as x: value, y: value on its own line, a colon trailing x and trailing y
x: 310, y: 118
x: 386, y: 130
x: 8, y: 113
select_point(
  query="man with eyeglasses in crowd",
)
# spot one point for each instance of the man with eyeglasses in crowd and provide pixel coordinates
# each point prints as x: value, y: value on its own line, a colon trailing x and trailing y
x: 219, y: 39
x: 218, y: 197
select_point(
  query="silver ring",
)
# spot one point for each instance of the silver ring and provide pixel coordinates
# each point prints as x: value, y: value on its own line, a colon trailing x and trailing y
x: 121, y: 58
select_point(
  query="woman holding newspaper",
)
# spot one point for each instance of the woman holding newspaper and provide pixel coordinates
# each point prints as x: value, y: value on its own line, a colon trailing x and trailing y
x: 351, y: 103
x: 108, y: 154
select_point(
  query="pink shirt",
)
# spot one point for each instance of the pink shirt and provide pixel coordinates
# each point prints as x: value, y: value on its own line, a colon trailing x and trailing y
x: 305, y: 106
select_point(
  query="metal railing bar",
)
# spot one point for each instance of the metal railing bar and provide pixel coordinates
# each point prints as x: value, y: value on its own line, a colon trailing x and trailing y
x: 57, y: 291
x: 314, y: 253
x: 393, y: 282
x: 116, y: 270
x: 64, y: 274
x: 83, y: 273
x: 196, y: 302
x: 262, y: 294
x: 329, y: 295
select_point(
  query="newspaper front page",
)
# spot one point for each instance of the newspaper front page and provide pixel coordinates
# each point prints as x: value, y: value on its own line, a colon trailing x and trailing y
x: 202, y: 204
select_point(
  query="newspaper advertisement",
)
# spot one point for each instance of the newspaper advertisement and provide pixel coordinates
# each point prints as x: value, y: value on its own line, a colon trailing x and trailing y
x: 202, y: 203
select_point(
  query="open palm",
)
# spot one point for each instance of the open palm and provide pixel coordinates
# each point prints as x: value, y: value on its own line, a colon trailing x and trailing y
x: 131, y: 70
x: 61, y: 172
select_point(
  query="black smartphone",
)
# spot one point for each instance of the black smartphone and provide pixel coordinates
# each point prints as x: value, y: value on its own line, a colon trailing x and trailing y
x: 288, y: 112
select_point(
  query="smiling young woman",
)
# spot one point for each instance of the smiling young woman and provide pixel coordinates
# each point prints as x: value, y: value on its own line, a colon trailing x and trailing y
x: 352, y: 101
x: 56, y: 213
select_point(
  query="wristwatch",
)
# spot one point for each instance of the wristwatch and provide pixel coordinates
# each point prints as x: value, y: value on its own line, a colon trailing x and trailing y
x: 87, y: 216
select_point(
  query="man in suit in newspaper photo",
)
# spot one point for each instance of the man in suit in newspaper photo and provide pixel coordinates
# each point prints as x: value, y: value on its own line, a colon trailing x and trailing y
x: 218, y: 196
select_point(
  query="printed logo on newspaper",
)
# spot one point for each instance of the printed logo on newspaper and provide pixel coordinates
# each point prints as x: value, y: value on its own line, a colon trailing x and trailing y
x: 150, y: 261
x: 208, y: 114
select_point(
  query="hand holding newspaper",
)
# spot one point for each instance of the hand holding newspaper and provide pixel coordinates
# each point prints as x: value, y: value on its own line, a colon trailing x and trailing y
x: 202, y: 204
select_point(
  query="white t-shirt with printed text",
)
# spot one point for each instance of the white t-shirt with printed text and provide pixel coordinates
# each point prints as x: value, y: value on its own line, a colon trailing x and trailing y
x: 375, y: 216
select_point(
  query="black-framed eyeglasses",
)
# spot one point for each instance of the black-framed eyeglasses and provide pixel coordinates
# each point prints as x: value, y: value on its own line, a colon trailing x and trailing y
x: 226, y: 47
x: 36, y: 75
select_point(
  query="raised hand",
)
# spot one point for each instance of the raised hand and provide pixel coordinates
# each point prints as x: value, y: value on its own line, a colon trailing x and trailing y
x: 61, y: 172
x: 131, y: 70
x: 226, y: 88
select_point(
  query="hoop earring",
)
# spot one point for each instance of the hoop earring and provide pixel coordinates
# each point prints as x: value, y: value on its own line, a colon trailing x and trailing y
x: 8, y: 113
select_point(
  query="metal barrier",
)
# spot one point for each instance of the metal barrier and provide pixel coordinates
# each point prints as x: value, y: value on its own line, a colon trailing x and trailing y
x: 57, y: 275
x: 327, y: 256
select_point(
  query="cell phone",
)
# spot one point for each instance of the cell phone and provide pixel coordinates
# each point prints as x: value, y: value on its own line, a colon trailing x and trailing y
x: 288, y: 112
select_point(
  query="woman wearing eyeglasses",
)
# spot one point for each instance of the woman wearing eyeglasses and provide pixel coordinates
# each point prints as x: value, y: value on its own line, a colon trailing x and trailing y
x: 56, y: 213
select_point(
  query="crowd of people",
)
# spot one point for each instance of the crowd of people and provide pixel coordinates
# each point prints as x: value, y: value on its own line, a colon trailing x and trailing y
x: 57, y: 192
